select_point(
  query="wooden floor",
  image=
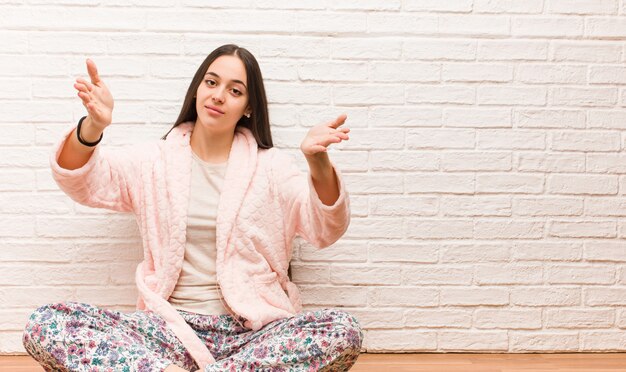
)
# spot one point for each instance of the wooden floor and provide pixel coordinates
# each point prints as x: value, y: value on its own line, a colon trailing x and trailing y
x: 442, y: 362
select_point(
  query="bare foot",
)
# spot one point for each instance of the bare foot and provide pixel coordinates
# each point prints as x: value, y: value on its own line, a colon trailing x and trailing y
x: 174, y: 367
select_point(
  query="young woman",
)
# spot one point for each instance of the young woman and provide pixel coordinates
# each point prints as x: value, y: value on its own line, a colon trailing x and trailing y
x: 218, y: 207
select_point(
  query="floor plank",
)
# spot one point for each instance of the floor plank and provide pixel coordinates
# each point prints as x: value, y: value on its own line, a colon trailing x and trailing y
x: 451, y: 362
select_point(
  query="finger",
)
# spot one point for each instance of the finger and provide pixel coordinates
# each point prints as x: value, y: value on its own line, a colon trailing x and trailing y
x: 81, y: 88
x: 85, y: 83
x: 340, y: 120
x: 93, y: 71
x: 84, y: 97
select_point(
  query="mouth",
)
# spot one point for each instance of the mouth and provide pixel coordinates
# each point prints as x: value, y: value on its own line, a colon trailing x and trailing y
x: 214, y: 109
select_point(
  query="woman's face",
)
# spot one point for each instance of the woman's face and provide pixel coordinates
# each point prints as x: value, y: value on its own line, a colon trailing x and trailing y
x: 222, y: 97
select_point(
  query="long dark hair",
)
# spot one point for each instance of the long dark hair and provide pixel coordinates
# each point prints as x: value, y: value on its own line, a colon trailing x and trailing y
x: 258, y: 122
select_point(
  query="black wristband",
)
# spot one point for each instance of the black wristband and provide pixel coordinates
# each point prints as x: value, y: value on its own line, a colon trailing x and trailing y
x: 90, y: 144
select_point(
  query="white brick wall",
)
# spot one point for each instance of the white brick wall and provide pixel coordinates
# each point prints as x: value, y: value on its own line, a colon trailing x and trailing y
x: 486, y: 161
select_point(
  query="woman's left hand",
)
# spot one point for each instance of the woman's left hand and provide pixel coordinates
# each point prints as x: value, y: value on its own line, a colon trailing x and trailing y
x: 321, y: 136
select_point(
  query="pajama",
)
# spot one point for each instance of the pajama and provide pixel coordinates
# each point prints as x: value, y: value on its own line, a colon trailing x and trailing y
x: 80, y: 337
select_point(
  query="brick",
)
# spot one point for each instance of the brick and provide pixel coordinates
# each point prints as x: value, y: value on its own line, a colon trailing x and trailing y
x: 474, y: 25
x: 603, y: 27
x: 551, y: 74
x: 306, y: 93
x: 369, y: 94
x: 548, y: 206
x: 473, y: 161
x: 492, y: 50
x: 440, y: 138
x: 607, y: 75
x: 19, y: 157
x: 400, y: 340
x: 107, y: 296
x: 584, y: 51
x: 512, y: 274
x: 343, y: 250
x: 372, y: 318
x: 440, y: 183
x: 402, y: 252
x: 543, y: 341
x: 318, y: 71
x: 366, y: 5
x: 509, y: 183
x: 547, y: 251
x: 17, y: 227
x: 473, y: 340
x: 35, y: 295
x: 600, y: 141
x: 394, y: 23
x: 77, y: 227
x: 329, y: 22
x: 508, y: 229
x: 507, y: 319
x: 474, y: 296
x: 14, y: 42
x: 585, y: 97
x: 375, y: 228
x: 606, y: 119
x: 582, y: 7
x: 605, y: 341
x: 475, y: 206
x: 583, y: 229
x: 508, y: 6
x: 404, y: 116
x: 584, y: 275
x: 361, y: 274
x: 402, y: 296
x: 474, y: 252
x: 477, y: 118
x: 439, y: 229
x: 74, y: 18
x: 16, y: 89
x: 477, y: 73
x: 365, y: 48
x: 551, y: 162
x: 208, y: 20
x: 604, y: 296
x: 313, y: 274
x: 438, y: 318
x: 605, y: 207
x: 612, y: 251
x: 514, y: 96
x: 559, y: 119
x: 575, y: 184
x: 434, y: 49
x: 404, y: 72
x: 333, y: 296
x: 32, y: 204
x: 441, y: 94
x: 454, y: 6
x: 402, y: 206
x: 548, y: 27
x: 148, y: 43
x: 404, y: 161
x: 374, y: 183
x: 436, y: 275
x: 277, y: 4
x: 546, y: 296
x: 510, y: 139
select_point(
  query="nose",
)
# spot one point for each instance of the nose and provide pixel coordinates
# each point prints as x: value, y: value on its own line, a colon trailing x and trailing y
x: 218, y: 96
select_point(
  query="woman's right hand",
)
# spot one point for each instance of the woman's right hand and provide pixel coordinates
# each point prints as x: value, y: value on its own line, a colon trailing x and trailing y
x: 96, y: 97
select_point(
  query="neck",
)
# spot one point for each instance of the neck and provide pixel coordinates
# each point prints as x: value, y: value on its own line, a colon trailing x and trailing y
x: 212, y: 147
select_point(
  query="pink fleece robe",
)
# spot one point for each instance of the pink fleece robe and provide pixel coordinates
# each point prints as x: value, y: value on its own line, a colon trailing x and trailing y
x: 265, y: 202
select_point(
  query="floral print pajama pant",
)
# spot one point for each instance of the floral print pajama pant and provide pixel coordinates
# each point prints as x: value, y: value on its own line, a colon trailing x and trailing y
x: 80, y: 337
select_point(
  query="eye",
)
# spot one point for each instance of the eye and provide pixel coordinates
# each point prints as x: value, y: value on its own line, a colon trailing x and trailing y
x: 210, y: 82
x: 237, y: 92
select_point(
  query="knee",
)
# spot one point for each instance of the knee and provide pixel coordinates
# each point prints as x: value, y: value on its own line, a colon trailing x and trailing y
x: 348, y: 326
x: 40, y: 322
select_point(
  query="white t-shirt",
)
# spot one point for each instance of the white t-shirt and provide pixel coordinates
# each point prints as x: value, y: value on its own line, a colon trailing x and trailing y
x: 197, y: 289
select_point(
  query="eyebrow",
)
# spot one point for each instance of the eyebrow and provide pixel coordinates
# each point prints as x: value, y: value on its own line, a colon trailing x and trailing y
x: 234, y: 80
